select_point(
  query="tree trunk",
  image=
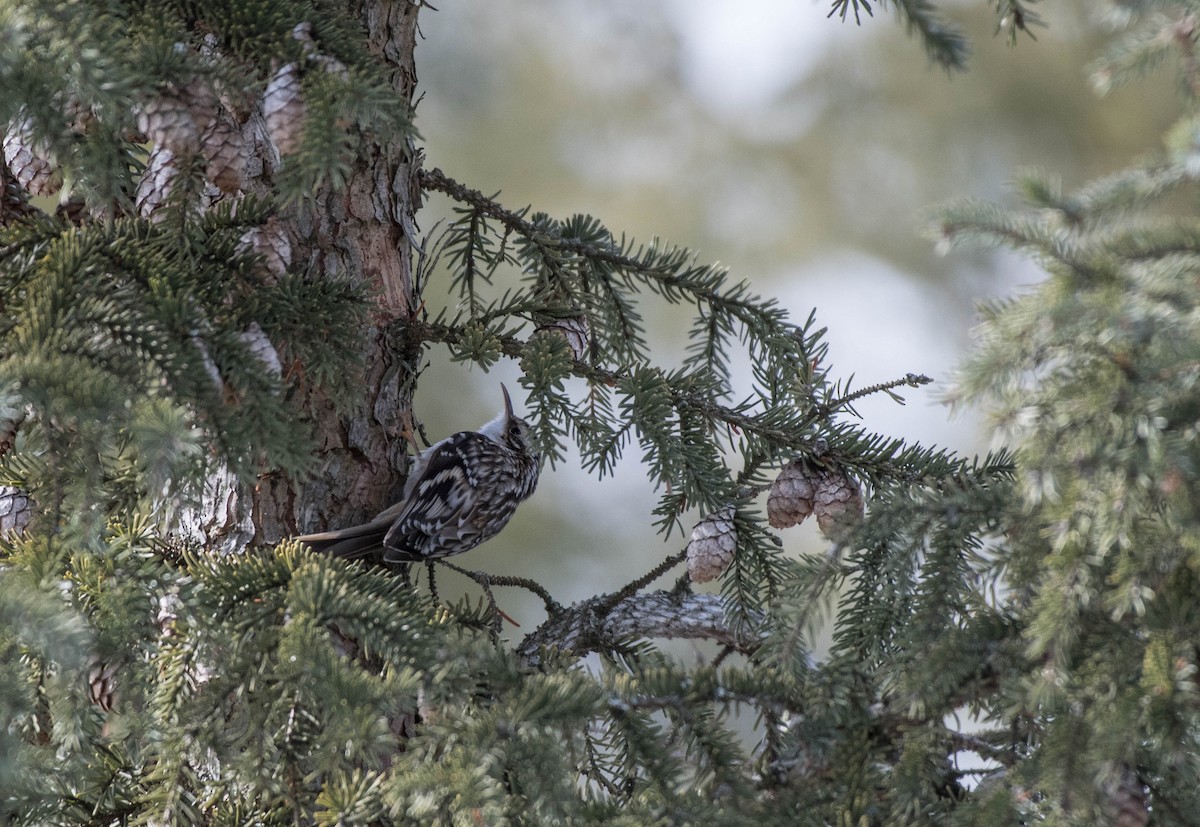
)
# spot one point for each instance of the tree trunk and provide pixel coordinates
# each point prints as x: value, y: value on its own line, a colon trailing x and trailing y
x: 362, y: 233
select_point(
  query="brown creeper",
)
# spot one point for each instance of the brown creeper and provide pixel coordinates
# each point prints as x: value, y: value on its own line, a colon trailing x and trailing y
x: 461, y: 491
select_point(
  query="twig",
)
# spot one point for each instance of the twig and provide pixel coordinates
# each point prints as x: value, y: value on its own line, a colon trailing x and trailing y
x: 911, y: 380
x: 485, y: 579
x: 429, y: 570
x: 498, y: 617
x: 720, y: 658
x: 597, y: 772
x: 608, y: 601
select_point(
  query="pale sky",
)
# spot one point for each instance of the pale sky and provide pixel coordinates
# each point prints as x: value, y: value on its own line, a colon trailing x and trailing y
x: 743, y: 54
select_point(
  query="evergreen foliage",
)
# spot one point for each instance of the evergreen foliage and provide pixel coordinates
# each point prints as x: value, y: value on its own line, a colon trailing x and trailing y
x: 1014, y: 636
x: 944, y: 43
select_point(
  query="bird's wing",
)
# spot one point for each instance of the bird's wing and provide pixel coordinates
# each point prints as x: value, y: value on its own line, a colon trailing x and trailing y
x: 441, y: 501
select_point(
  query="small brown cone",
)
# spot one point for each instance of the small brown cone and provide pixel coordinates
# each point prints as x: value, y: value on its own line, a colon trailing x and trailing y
x: 261, y: 347
x: 102, y: 684
x: 29, y: 160
x: 202, y: 102
x: 272, y: 243
x: 82, y: 118
x: 225, y: 150
x: 15, y: 511
x: 283, y: 109
x: 210, y: 367
x: 838, y: 504
x: 574, y: 330
x: 712, y: 546
x: 792, y: 494
x: 155, y: 184
x: 167, y: 121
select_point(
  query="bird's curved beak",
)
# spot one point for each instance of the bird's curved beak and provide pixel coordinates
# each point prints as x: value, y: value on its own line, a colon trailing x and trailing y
x: 508, y: 411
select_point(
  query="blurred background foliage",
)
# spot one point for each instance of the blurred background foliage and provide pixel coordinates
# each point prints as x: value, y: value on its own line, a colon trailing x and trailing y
x: 802, y: 152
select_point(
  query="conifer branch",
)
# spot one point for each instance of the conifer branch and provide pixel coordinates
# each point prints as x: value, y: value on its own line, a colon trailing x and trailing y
x: 485, y: 579
x: 911, y: 380
x: 874, y: 456
x: 944, y: 44
x: 591, y: 626
x: 1016, y: 16
x: 665, y: 270
x: 632, y: 588
x: 517, y: 348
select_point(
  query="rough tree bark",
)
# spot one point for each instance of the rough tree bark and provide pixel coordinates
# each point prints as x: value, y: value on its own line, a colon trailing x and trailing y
x: 361, y: 232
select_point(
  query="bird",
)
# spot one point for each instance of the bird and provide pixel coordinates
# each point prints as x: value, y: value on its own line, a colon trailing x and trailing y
x: 460, y: 492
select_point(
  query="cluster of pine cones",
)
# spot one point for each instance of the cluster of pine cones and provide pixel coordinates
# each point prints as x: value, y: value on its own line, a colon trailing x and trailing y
x: 180, y: 121
x: 802, y: 488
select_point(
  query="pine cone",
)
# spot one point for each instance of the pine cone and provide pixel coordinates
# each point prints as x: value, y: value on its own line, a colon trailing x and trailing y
x: 225, y: 149
x: 15, y: 510
x: 256, y: 339
x: 573, y: 329
x: 210, y: 367
x: 29, y: 160
x: 167, y: 121
x: 331, y: 66
x: 201, y: 101
x: 102, y: 685
x: 82, y: 117
x: 711, y: 548
x: 155, y: 184
x: 72, y: 210
x: 272, y: 243
x: 283, y: 109
x: 792, y: 494
x: 838, y: 504
x: 303, y: 33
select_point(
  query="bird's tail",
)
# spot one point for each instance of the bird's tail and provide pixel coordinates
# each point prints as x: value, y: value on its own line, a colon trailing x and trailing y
x: 351, y: 543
